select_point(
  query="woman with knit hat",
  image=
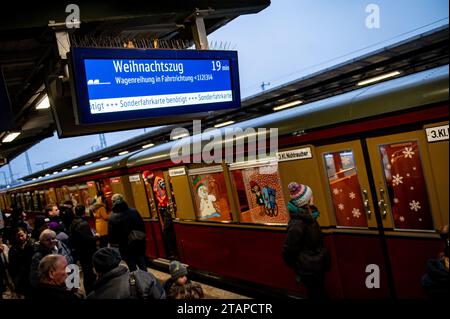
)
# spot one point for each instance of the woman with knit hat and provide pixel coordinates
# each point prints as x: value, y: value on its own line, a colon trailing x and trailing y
x: 303, y: 248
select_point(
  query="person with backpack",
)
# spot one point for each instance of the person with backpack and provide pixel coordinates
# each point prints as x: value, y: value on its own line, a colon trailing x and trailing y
x: 126, y: 231
x: 115, y: 281
x: 303, y: 248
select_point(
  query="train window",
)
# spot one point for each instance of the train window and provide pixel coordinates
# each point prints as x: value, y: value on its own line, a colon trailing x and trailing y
x: 85, y: 197
x: 28, y: 201
x: 345, y: 189
x: 36, y: 201
x: 260, y: 195
x: 106, y: 188
x: 156, y: 198
x: 406, y: 186
x: 210, y: 195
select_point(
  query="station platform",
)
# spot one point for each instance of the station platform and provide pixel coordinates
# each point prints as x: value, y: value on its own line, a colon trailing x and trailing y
x: 210, y: 292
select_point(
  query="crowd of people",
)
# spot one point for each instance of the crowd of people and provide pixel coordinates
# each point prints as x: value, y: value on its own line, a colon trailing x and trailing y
x: 34, y: 260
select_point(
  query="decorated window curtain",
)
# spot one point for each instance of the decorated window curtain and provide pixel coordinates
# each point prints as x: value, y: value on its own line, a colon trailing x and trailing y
x: 156, y: 191
x: 345, y: 189
x: 210, y: 197
x: 260, y: 195
x: 406, y: 186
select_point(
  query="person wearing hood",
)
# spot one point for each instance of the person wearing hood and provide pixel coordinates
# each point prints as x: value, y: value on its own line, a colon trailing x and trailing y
x: 100, y: 211
x: 303, y: 249
x: 127, y: 232
x: 115, y: 281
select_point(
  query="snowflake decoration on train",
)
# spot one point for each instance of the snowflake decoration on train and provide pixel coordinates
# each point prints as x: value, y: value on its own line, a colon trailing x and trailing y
x: 346, y: 160
x: 402, y: 219
x: 335, y: 191
x: 341, y: 206
x: 356, y: 213
x: 408, y: 174
x: 352, y: 195
x: 411, y: 188
x: 397, y: 180
x: 408, y: 152
x: 396, y: 200
x: 415, y: 206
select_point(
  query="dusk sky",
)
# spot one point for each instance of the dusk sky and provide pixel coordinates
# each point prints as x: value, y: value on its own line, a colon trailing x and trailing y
x: 288, y: 40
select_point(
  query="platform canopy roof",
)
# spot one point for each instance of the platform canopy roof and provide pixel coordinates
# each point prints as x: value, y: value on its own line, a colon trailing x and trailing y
x: 29, y: 51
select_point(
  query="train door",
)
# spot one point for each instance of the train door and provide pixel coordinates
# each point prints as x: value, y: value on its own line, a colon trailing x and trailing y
x: 409, y: 202
x: 356, y: 239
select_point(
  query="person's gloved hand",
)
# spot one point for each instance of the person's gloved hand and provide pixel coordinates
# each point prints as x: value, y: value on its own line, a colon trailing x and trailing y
x: 315, y: 214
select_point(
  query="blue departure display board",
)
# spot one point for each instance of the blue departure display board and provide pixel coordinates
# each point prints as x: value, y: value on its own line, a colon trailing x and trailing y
x: 112, y: 85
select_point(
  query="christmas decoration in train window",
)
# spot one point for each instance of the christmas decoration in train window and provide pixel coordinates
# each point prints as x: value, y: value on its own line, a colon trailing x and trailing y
x: 260, y: 195
x: 345, y: 189
x: 406, y: 188
x: 210, y: 197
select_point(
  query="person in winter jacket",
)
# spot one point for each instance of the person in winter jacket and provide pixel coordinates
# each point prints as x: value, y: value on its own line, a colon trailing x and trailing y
x: 303, y: 248
x: 48, y: 244
x: 101, y: 214
x: 115, y: 281
x: 436, y: 280
x: 52, y: 280
x: 126, y: 231
x: 84, y: 246
x: 178, y: 286
x: 20, y: 256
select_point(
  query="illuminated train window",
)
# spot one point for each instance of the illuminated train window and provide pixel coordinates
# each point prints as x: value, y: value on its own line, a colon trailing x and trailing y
x: 407, y: 192
x: 210, y: 196
x: 260, y: 195
x: 345, y: 189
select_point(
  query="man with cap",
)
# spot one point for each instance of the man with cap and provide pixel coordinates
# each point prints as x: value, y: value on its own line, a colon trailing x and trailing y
x: 178, y: 286
x: 303, y: 248
x: 115, y: 281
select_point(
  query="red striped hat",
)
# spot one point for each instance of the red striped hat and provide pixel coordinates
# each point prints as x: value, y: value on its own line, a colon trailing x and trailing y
x: 300, y: 194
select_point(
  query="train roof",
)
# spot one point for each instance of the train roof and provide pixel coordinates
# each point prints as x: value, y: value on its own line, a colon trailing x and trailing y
x: 403, y: 93
x: 423, y: 88
x: 110, y: 164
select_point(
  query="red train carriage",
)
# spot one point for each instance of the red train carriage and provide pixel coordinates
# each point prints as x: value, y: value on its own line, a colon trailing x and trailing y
x: 376, y: 159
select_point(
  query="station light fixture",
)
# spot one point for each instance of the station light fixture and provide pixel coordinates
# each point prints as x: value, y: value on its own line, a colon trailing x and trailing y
x: 11, y: 136
x: 104, y: 158
x: 148, y: 145
x: 43, y: 104
x: 224, y: 124
x: 75, y: 166
x: 34, y: 179
x: 64, y: 170
x: 379, y: 78
x: 55, y: 172
x: 47, y: 174
x: 39, y: 177
x: 88, y: 163
x: 177, y: 137
x: 287, y: 105
x: 123, y: 152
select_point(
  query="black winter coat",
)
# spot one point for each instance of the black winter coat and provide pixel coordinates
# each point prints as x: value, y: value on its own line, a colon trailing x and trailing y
x: 82, y: 239
x: 116, y: 285
x: 436, y: 280
x: 20, y: 265
x: 120, y: 224
x: 303, y: 240
x: 48, y: 293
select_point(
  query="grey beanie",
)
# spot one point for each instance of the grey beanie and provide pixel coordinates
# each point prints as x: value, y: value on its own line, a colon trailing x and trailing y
x: 177, y: 270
